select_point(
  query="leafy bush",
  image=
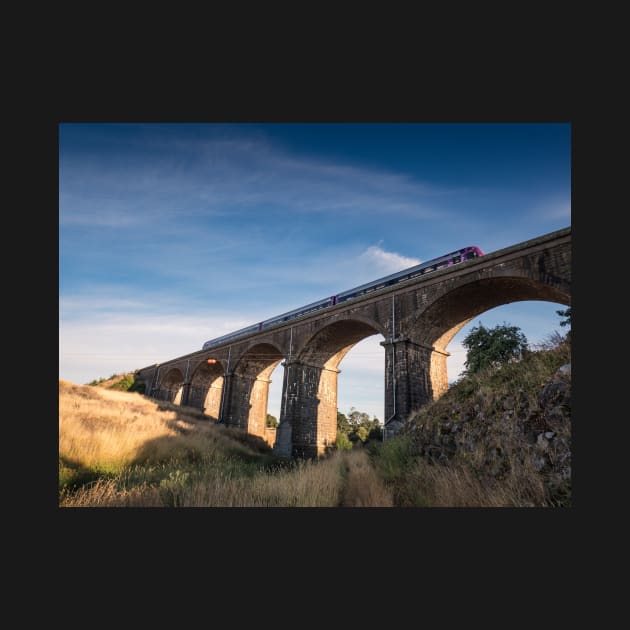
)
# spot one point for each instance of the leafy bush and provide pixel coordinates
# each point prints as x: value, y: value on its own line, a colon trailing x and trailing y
x: 358, y: 427
x: 567, y: 321
x: 394, y: 457
x: 492, y: 347
x: 125, y: 384
x: 343, y: 442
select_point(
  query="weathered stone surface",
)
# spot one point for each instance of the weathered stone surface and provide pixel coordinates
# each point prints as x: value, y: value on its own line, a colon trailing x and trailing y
x: 565, y: 371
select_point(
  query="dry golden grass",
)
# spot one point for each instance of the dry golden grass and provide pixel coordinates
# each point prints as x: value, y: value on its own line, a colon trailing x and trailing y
x: 364, y: 487
x: 142, y: 453
x: 107, y: 493
x: 457, y: 486
x: 489, y: 460
x: 130, y: 440
x: 107, y: 429
x: 310, y: 484
x: 148, y: 454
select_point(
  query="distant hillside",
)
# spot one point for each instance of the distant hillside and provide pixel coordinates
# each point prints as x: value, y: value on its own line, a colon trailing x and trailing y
x: 122, y: 382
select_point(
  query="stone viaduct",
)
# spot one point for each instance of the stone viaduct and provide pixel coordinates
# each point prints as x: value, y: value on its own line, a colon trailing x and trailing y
x: 417, y: 318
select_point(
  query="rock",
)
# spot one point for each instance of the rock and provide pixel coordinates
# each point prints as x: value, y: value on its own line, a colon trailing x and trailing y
x: 557, y: 414
x: 564, y: 371
x: 554, y: 392
x: 526, y: 430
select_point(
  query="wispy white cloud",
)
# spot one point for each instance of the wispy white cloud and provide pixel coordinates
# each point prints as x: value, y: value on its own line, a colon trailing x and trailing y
x: 328, y: 271
x: 93, y: 343
x: 234, y: 174
x: 283, y: 280
x: 553, y: 209
x: 99, y: 336
x: 109, y: 331
x: 562, y: 210
x: 232, y: 230
x: 386, y: 262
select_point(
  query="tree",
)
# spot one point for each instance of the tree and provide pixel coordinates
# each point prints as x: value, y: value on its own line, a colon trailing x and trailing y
x: 356, y: 427
x: 362, y: 433
x: 343, y: 425
x: 357, y: 418
x: 344, y: 429
x: 567, y: 321
x: 492, y: 347
x: 342, y: 442
x: 376, y: 430
x: 566, y: 313
x: 272, y: 421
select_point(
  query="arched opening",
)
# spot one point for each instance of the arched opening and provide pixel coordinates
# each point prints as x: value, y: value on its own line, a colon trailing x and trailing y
x: 313, y: 407
x: 250, y: 388
x: 362, y: 383
x: 171, y: 386
x: 448, y: 315
x: 206, y: 388
x: 274, y: 403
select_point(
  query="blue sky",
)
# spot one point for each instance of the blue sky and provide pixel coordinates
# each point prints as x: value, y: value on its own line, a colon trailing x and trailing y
x: 172, y: 234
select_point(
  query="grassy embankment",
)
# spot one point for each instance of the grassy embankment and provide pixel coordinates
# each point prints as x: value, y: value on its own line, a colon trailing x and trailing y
x: 484, y: 443
x: 478, y: 446
x: 119, y: 449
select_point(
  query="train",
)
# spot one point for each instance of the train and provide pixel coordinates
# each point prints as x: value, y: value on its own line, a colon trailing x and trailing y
x: 452, y: 258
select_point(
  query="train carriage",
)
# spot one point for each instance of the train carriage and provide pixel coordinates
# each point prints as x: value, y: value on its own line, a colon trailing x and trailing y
x: 452, y: 258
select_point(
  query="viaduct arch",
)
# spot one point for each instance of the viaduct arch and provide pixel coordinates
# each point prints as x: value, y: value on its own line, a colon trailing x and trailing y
x: 417, y: 319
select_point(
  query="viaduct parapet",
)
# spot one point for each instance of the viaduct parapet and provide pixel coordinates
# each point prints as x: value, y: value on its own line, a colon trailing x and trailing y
x: 416, y: 319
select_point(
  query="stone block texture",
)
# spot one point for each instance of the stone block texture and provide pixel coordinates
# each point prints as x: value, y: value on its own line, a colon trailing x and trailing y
x: 416, y: 320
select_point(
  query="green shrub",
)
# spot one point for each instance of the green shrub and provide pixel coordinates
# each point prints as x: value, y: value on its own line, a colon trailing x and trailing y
x: 124, y: 384
x: 343, y: 442
x: 394, y: 457
x: 137, y: 386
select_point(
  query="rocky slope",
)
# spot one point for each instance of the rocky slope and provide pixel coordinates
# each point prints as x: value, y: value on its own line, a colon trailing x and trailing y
x: 511, y: 426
